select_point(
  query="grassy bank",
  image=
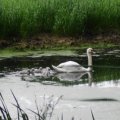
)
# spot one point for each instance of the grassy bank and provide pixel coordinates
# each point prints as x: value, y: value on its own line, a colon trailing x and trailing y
x: 23, y: 18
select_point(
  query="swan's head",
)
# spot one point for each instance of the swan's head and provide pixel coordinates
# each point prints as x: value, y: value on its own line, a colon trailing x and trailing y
x: 90, y: 51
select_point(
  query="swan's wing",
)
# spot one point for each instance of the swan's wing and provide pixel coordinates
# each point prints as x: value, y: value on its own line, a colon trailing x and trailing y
x: 69, y: 64
x: 69, y: 69
x: 57, y: 69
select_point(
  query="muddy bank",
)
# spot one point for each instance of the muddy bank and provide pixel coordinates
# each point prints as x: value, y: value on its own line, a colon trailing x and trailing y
x: 51, y: 41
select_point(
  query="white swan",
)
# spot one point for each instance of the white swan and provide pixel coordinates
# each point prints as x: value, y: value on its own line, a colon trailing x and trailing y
x: 71, y: 66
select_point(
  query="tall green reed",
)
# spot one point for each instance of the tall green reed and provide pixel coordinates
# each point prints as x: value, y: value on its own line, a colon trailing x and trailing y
x: 102, y: 16
x: 25, y: 18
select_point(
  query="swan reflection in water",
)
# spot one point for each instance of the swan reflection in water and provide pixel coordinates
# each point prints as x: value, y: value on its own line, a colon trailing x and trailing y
x: 75, y: 77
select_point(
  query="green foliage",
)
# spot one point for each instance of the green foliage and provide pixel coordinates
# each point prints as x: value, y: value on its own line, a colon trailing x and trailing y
x: 23, y: 18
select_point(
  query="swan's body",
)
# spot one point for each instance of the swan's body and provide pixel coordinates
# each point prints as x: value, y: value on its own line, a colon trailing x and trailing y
x: 71, y: 66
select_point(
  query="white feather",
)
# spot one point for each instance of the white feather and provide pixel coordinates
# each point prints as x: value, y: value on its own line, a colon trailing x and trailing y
x: 71, y: 66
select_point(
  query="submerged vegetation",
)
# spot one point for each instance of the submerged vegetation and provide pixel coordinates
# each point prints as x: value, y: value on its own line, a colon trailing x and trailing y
x: 23, y: 18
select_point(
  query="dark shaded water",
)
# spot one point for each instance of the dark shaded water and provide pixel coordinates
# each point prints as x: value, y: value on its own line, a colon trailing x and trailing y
x: 106, y: 68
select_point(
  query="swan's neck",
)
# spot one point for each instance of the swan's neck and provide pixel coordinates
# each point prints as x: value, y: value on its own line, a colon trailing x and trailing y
x: 89, y: 59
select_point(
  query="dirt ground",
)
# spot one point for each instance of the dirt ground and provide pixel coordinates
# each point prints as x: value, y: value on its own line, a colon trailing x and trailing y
x: 47, y: 40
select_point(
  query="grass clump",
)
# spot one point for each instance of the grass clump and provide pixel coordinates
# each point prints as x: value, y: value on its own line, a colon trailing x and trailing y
x: 23, y: 18
x: 44, y: 113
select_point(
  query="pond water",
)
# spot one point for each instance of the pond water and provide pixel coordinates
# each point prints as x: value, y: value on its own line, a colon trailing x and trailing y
x: 81, y: 91
x: 106, y: 68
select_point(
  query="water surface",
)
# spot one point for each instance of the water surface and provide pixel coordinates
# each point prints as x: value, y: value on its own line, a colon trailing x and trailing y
x: 106, y: 68
x: 97, y: 90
